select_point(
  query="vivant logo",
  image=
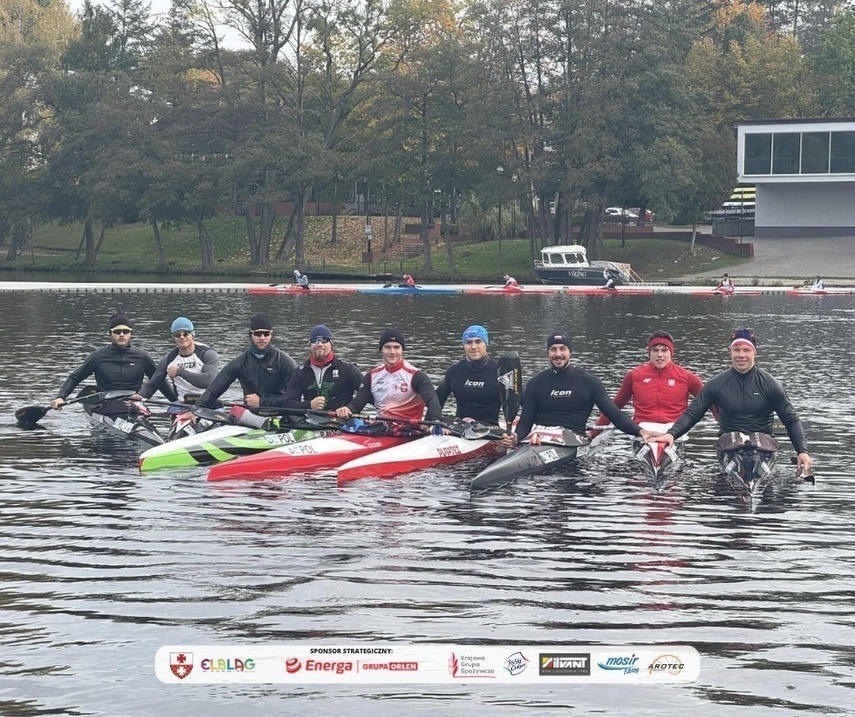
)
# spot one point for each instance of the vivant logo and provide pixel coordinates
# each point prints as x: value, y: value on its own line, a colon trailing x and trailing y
x: 565, y: 664
x: 181, y: 664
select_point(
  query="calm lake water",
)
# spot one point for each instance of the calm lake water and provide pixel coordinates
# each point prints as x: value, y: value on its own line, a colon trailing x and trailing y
x: 101, y: 566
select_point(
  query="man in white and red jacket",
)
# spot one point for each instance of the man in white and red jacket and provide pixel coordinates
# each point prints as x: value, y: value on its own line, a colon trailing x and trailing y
x: 396, y: 388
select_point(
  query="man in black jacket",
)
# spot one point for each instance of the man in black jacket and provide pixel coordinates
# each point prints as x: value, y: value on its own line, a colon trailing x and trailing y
x: 117, y: 367
x: 746, y: 397
x: 263, y: 370
x: 473, y: 381
x: 324, y: 381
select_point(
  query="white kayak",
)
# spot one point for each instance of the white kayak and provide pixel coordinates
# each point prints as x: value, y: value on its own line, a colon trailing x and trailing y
x: 417, y: 455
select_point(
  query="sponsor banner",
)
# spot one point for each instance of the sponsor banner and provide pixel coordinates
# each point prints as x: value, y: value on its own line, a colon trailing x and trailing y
x: 306, y: 663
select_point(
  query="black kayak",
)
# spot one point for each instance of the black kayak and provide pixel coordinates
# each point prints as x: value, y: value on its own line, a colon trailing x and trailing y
x: 747, y: 461
x: 549, y: 448
x: 136, y: 427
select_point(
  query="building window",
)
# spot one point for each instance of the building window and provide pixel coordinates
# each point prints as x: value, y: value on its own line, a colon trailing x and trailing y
x: 843, y: 153
x: 785, y: 153
x: 815, y: 152
x: 758, y: 153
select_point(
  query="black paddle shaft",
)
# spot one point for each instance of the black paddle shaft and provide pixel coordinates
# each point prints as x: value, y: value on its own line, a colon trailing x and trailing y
x: 510, y: 386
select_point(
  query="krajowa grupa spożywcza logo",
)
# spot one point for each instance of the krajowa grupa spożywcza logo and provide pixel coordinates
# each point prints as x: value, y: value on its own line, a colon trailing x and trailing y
x: 470, y: 665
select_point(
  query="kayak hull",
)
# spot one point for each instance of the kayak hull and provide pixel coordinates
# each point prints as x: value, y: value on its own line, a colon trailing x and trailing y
x: 422, y: 453
x: 219, y: 445
x: 410, y: 290
x: 139, y: 430
x: 522, y: 461
x: 304, y: 457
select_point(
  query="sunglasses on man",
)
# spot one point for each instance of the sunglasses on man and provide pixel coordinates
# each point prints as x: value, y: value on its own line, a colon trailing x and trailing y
x: 319, y: 340
x: 119, y: 332
x: 261, y: 332
x: 181, y: 334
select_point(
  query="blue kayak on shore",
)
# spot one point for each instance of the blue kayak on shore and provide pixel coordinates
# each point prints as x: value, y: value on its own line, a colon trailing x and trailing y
x: 410, y: 290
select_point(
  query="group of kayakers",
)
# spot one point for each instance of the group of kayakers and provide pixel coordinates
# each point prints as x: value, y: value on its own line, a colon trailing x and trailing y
x: 744, y: 397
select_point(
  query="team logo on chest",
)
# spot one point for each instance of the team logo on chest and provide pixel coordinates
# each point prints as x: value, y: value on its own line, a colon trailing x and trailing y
x: 672, y: 382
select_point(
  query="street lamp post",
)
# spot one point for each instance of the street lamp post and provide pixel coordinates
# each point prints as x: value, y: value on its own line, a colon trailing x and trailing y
x: 500, y: 170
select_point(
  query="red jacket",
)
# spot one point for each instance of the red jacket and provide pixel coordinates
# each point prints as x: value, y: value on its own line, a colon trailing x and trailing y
x: 657, y: 396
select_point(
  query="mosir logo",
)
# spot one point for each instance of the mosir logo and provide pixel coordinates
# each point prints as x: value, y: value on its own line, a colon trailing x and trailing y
x: 627, y: 665
x: 666, y: 664
x: 293, y: 665
x: 181, y: 664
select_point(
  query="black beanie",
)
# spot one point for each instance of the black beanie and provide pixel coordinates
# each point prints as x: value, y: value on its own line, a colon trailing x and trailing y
x: 558, y: 337
x: 120, y: 319
x: 260, y: 321
x: 392, y: 335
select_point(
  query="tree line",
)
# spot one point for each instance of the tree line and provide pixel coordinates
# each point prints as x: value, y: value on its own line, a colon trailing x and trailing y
x: 450, y: 109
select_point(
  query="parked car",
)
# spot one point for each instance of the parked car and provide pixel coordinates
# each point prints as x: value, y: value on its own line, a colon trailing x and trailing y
x: 648, y: 215
x: 619, y: 214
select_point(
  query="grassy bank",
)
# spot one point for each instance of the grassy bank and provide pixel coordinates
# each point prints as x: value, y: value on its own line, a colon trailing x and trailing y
x: 129, y: 248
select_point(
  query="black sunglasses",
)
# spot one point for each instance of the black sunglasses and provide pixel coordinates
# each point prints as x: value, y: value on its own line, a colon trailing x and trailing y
x: 181, y: 334
x: 261, y: 332
x: 319, y: 340
x: 120, y: 331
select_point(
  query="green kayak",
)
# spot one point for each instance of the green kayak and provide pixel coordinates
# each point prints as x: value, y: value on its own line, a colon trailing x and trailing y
x: 220, y: 444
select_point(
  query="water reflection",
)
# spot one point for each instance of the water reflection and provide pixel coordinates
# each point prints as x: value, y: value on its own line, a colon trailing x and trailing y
x: 102, y: 566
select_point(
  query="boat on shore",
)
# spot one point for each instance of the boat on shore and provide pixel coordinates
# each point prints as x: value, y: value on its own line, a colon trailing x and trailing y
x: 568, y: 264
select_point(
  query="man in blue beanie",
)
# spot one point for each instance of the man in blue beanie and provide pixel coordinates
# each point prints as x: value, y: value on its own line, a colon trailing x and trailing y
x: 324, y: 381
x: 473, y: 381
x: 187, y: 369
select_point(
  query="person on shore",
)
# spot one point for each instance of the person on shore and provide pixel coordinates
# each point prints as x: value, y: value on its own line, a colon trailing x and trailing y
x: 263, y: 370
x: 395, y: 388
x: 659, y: 390
x: 301, y: 279
x: 747, y: 398
x: 474, y: 380
x: 725, y: 286
x: 564, y: 395
x: 324, y: 381
x: 187, y: 369
x: 407, y: 281
x: 817, y: 285
x: 510, y: 281
x: 118, y: 366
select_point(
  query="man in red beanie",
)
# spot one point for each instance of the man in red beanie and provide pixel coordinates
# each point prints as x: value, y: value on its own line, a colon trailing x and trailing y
x: 659, y: 389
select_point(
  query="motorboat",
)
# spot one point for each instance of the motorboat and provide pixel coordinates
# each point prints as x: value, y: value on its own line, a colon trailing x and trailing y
x: 568, y: 265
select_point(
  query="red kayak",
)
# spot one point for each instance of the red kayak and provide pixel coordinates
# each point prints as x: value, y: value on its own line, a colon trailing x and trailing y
x: 600, y: 291
x: 423, y: 453
x: 304, y: 457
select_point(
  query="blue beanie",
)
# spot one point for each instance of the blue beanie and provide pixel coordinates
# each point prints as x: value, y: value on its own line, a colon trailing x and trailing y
x: 182, y: 323
x: 320, y: 332
x: 476, y: 331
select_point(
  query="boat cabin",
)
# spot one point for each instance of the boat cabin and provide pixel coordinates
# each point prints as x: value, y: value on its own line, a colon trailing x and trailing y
x: 568, y: 264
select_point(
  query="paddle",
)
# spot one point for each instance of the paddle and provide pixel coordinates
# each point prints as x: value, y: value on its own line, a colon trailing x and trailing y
x: 510, y: 387
x: 565, y: 437
x: 29, y: 415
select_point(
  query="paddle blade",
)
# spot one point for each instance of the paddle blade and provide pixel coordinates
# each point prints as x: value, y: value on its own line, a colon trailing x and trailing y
x: 510, y: 386
x: 31, y: 414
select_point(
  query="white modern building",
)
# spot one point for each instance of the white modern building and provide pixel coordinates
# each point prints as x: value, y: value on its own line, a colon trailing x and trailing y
x: 804, y: 171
